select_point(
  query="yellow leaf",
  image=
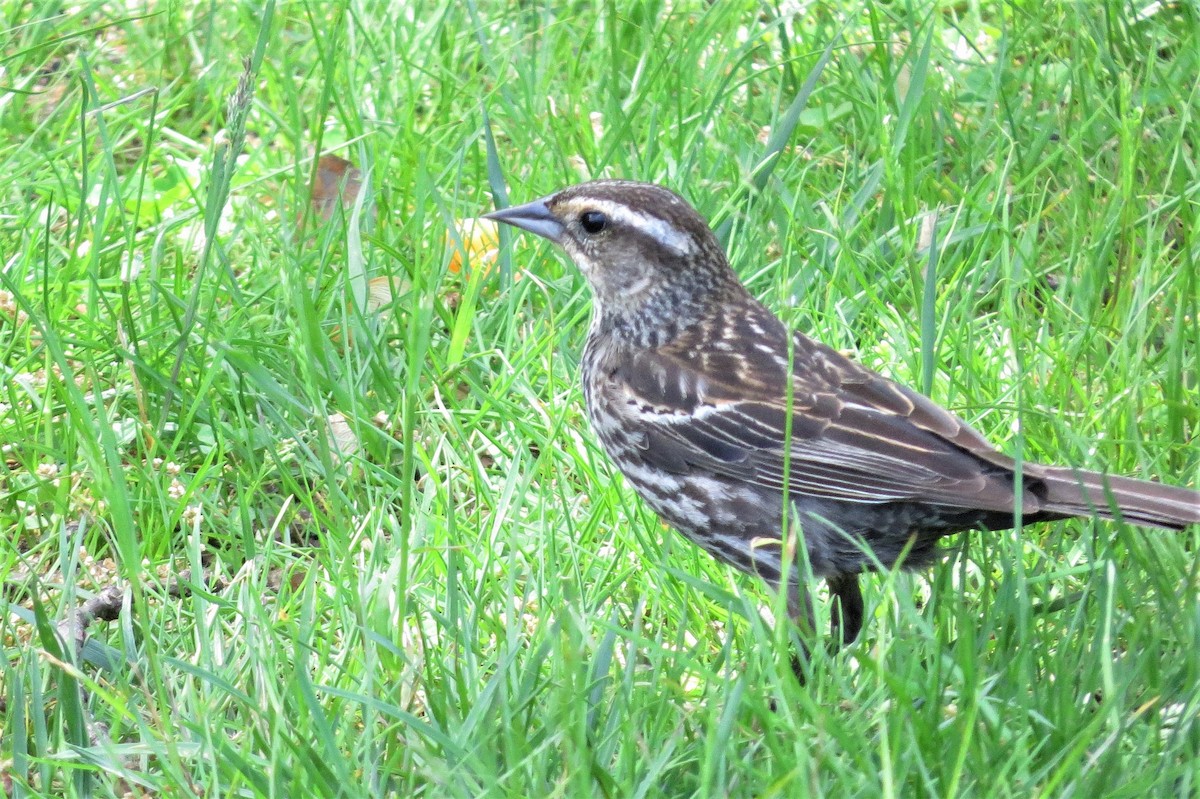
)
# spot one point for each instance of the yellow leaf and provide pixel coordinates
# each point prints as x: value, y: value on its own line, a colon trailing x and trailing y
x: 480, y: 244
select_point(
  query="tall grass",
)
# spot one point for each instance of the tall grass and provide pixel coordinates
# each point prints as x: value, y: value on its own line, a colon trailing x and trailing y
x: 375, y: 551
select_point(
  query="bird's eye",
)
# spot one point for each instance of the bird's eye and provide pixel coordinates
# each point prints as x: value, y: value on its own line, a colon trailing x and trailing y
x: 593, y: 222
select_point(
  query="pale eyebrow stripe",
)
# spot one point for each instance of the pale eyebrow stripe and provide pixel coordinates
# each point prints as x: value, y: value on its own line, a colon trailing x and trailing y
x: 656, y: 228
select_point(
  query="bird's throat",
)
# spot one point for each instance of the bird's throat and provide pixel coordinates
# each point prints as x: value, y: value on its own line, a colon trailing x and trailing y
x: 652, y: 316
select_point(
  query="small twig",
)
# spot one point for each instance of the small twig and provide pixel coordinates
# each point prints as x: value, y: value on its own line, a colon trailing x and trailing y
x: 182, y: 585
x: 105, y: 606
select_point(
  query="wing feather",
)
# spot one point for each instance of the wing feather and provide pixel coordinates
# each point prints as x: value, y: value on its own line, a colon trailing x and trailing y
x: 859, y: 439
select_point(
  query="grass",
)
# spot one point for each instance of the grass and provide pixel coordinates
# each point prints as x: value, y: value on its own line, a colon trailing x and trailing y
x: 420, y: 575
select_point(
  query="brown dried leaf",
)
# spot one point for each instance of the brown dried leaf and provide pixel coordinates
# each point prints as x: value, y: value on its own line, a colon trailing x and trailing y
x: 337, y: 181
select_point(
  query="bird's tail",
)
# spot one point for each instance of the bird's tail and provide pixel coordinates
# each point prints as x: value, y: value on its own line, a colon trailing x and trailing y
x: 1079, y: 493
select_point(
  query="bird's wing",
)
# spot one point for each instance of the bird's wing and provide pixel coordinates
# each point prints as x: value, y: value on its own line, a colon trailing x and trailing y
x: 850, y: 434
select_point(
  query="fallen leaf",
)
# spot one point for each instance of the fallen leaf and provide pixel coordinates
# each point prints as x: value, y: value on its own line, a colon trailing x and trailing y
x: 343, y: 443
x: 337, y: 181
x: 480, y: 244
x: 379, y: 293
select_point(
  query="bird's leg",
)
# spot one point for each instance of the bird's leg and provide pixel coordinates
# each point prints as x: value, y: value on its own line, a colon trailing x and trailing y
x: 846, y: 621
x: 800, y: 611
x: 800, y: 607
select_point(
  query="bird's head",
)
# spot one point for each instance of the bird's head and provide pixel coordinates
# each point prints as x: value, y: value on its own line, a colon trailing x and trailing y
x: 645, y: 252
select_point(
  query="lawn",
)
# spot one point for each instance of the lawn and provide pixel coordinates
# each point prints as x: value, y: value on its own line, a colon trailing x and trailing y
x: 322, y: 440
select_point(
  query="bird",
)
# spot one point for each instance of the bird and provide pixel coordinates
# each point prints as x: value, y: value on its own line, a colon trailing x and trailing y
x: 752, y: 440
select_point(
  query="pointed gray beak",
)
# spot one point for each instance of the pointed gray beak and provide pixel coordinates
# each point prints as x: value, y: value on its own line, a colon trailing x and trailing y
x: 534, y: 217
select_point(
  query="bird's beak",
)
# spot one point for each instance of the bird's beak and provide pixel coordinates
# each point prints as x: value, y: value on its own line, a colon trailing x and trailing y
x: 535, y: 217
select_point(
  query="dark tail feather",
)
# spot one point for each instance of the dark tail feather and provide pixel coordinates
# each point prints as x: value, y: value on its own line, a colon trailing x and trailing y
x: 1080, y: 493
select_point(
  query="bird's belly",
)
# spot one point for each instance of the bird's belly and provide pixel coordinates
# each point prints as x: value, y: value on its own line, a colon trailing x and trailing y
x: 733, y: 521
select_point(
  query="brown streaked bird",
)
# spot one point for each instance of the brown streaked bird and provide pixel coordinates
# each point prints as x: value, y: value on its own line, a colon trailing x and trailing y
x: 689, y: 388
